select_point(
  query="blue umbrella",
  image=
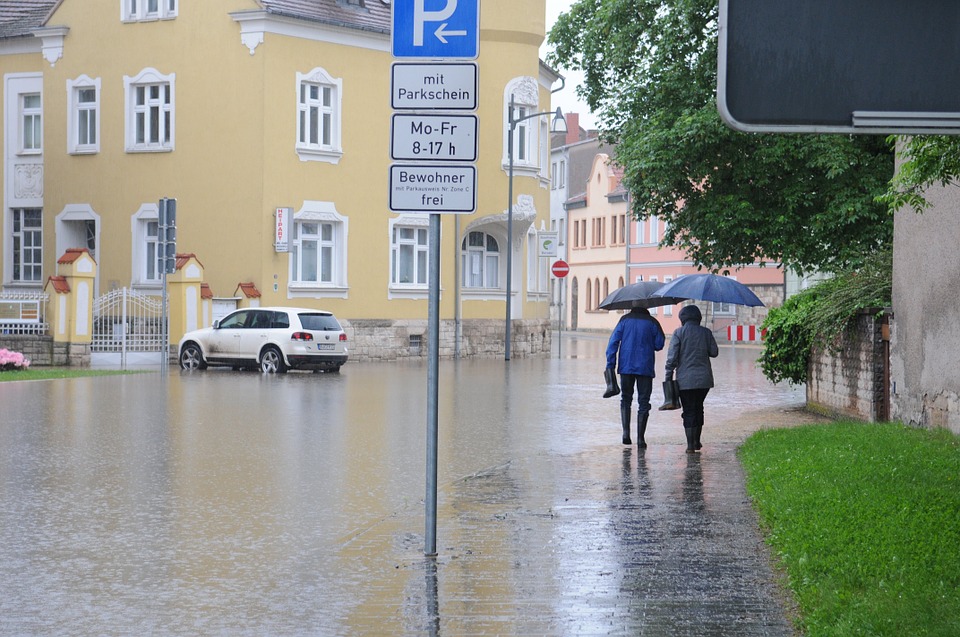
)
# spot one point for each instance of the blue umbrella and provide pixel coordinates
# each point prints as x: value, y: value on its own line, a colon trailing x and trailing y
x: 710, y: 287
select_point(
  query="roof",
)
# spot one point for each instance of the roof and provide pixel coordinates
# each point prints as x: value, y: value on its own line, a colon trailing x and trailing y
x: 72, y: 254
x: 249, y: 290
x: 60, y: 284
x: 20, y: 17
x: 368, y: 15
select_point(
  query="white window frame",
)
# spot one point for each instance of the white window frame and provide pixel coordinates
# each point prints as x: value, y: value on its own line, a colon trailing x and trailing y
x: 529, y: 149
x: 16, y: 219
x: 141, y: 243
x: 479, y: 261
x: 31, y: 117
x: 160, y: 109
x: 667, y: 309
x: 148, y: 10
x: 306, y: 150
x: 654, y: 310
x: 537, y: 267
x: 320, y: 213
x: 420, y: 225
x: 78, y: 111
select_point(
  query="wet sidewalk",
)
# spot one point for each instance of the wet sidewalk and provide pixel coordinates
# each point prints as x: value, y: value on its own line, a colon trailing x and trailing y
x: 623, y: 542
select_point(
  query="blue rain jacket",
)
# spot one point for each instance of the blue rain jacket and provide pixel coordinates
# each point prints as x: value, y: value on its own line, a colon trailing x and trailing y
x: 635, y: 341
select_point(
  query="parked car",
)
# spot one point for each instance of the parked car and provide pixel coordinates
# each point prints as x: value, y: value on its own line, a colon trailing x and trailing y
x: 272, y: 339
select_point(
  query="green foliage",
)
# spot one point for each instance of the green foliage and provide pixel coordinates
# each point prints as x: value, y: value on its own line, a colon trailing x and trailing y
x: 863, y: 519
x: 728, y: 198
x: 928, y: 160
x: 822, y: 315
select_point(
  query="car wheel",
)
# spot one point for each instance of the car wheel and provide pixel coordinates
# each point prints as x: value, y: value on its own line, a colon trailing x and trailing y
x: 271, y: 361
x: 191, y: 357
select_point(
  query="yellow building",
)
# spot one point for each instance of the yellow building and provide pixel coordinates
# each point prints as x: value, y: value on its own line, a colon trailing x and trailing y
x: 245, y: 109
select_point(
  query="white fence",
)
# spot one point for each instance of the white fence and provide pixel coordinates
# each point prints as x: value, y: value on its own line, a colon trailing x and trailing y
x: 126, y: 321
x: 23, y: 313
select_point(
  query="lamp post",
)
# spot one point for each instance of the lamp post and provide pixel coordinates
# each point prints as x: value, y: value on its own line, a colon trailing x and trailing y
x: 559, y: 125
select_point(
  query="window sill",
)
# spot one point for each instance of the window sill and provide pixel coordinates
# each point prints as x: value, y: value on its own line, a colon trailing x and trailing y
x: 316, y: 154
x: 314, y: 291
x: 149, y: 149
x: 417, y: 292
x: 84, y: 151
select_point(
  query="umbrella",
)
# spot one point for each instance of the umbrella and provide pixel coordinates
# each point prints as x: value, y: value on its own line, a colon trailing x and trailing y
x: 710, y: 287
x: 638, y: 294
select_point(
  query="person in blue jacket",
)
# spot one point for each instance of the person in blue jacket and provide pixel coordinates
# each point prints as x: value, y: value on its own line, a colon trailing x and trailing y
x: 634, y: 343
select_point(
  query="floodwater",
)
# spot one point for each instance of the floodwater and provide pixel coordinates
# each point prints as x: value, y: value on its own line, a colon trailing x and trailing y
x: 235, y: 503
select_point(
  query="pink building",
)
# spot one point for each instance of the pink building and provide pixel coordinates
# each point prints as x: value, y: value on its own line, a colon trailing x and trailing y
x: 607, y: 248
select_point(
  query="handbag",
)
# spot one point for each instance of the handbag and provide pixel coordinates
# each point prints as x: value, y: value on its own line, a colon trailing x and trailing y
x: 671, y: 396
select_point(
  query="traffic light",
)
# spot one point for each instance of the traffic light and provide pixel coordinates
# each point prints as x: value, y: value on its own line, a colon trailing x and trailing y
x: 167, y: 235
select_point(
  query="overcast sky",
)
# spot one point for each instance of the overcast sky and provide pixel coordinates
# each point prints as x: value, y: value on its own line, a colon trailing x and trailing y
x: 567, y: 98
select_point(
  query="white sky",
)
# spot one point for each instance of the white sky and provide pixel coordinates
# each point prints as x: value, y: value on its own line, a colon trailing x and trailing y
x: 567, y: 98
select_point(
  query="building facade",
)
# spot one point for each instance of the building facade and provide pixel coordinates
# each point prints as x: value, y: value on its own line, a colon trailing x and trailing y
x: 243, y: 110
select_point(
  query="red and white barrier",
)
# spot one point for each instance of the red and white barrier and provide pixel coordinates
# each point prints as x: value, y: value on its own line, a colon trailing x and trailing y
x: 745, y: 334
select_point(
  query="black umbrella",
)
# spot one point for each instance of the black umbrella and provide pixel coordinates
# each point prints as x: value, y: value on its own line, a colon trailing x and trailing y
x: 639, y: 294
x: 710, y: 287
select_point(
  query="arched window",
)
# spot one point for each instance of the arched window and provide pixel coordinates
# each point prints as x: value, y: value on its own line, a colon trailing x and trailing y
x: 596, y: 292
x: 589, y: 295
x: 480, y: 261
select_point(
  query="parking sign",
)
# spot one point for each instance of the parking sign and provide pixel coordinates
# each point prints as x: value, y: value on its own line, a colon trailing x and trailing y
x: 437, y: 29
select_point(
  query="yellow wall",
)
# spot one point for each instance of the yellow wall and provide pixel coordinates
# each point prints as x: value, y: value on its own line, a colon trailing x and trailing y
x: 234, y: 160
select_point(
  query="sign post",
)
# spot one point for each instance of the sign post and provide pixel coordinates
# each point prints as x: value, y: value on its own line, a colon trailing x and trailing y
x: 560, y: 269
x: 424, y: 184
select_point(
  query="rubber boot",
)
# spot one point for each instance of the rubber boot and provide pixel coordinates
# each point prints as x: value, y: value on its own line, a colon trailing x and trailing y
x: 625, y: 423
x: 691, y: 433
x: 697, y: 444
x: 610, y: 377
x: 642, y: 429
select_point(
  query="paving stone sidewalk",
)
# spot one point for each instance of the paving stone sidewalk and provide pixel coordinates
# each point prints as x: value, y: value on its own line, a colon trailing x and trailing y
x: 623, y: 542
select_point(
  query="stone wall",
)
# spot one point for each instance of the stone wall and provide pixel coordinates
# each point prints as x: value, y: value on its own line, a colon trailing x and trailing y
x: 43, y: 351
x: 389, y: 339
x: 853, y: 382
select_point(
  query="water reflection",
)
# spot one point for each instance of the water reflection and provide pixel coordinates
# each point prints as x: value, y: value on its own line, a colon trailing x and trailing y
x: 238, y: 503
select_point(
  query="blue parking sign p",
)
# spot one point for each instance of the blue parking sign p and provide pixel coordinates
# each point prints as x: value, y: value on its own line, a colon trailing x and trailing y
x: 436, y: 29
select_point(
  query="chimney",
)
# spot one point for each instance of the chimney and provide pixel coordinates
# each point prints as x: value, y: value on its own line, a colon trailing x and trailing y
x: 573, y: 128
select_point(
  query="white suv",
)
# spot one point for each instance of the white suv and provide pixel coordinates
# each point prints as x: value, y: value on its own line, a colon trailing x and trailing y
x: 272, y: 338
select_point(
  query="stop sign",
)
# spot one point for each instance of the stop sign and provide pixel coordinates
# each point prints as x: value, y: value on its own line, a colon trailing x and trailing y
x: 560, y: 268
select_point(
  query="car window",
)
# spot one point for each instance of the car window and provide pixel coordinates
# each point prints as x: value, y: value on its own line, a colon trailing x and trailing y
x: 235, y: 321
x: 281, y: 320
x: 260, y: 320
x: 319, y: 322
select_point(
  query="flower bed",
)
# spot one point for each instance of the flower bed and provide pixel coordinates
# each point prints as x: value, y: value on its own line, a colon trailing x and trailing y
x: 12, y: 361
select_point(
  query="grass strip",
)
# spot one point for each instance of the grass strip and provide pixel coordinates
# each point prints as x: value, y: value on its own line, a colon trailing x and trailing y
x: 54, y: 373
x: 865, y: 521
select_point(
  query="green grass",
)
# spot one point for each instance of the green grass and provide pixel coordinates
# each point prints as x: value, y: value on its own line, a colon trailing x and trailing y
x: 52, y: 373
x: 865, y: 521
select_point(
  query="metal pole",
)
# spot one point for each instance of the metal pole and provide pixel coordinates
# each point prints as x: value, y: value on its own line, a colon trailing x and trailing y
x: 560, y: 319
x: 433, y: 354
x: 506, y: 342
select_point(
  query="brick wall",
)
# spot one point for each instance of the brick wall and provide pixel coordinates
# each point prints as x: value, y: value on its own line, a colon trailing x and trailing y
x: 852, y: 382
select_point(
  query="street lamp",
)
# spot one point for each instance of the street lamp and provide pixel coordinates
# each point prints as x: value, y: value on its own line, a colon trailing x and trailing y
x: 558, y: 125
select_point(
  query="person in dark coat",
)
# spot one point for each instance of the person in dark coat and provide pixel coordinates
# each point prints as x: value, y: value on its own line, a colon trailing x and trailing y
x: 691, y: 348
x: 634, y: 342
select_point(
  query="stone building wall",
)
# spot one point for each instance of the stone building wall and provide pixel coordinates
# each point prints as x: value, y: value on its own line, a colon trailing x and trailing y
x: 853, y: 382
x: 387, y: 339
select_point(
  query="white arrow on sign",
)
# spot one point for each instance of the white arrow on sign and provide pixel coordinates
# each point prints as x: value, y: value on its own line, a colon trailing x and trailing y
x: 441, y: 32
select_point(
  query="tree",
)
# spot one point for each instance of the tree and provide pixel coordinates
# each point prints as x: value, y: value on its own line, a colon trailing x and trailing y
x: 928, y: 159
x: 728, y: 198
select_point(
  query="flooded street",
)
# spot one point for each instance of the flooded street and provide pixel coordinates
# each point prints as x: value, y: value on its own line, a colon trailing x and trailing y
x: 235, y: 503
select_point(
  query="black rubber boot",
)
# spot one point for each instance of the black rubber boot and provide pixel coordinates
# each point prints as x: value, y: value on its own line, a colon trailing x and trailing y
x: 642, y: 429
x: 697, y: 444
x: 691, y: 439
x: 625, y: 423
